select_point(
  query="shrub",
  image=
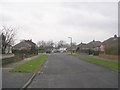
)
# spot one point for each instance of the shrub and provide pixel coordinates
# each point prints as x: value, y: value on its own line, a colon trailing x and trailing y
x: 96, y: 53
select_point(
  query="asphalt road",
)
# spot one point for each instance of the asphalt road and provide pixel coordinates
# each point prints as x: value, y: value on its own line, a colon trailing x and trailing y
x: 64, y: 71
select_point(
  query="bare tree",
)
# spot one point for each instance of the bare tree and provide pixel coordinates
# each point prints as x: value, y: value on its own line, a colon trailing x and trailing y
x: 61, y: 43
x: 44, y: 46
x: 74, y: 44
x: 41, y: 44
x: 8, y: 34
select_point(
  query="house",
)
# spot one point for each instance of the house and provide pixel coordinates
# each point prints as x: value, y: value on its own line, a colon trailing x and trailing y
x: 26, y: 46
x: 81, y: 47
x: 94, y: 45
x: 111, y: 40
x: 102, y: 48
x: 111, y: 45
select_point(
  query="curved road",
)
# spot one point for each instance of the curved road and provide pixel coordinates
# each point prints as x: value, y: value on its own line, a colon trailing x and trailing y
x: 64, y: 71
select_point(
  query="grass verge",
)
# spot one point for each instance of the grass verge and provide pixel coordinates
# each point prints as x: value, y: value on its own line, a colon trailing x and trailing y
x: 31, y: 66
x: 102, y: 62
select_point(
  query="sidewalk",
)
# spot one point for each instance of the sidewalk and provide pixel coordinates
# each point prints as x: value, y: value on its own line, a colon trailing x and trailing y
x: 15, y: 80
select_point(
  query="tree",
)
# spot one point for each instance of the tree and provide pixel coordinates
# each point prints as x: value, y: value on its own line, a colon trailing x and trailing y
x: 61, y: 43
x: 50, y: 44
x: 41, y: 44
x: 74, y: 44
x: 8, y: 34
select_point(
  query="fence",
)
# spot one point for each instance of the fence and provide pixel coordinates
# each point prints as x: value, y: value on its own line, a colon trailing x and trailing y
x: 113, y: 57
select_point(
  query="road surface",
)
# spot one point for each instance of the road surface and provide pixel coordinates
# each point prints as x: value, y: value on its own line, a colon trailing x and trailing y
x: 65, y: 71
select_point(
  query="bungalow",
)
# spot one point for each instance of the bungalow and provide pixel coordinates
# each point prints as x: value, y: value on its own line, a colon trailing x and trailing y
x: 25, y: 46
x: 94, y: 45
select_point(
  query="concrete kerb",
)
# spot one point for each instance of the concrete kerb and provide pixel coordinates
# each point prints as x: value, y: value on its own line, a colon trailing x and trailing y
x: 32, y: 77
x: 28, y: 82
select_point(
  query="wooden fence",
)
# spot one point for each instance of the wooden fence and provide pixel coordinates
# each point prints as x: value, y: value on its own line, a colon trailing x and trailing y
x: 113, y: 57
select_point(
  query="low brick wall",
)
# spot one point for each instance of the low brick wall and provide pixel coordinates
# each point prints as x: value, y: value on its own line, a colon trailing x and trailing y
x: 6, y: 61
x: 16, y: 58
x: 113, y: 57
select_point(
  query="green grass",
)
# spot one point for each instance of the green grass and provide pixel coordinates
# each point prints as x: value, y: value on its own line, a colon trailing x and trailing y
x: 31, y: 66
x: 102, y: 62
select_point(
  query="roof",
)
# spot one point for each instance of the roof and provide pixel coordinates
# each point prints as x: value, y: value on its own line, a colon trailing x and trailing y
x: 82, y: 45
x: 94, y: 44
x: 111, y: 41
x: 30, y: 42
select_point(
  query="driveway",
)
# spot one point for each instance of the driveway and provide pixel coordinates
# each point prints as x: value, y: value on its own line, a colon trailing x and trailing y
x: 65, y: 71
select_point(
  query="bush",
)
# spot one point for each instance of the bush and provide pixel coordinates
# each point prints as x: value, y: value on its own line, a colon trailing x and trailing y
x: 96, y: 53
x: 90, y: 51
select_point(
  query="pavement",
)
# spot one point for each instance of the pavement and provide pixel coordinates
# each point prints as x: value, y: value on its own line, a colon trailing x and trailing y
x: 15, y: 80
x: 65, y: 71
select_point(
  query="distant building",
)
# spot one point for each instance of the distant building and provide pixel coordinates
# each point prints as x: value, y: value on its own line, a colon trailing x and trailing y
x: 73, y: 48
x: 93, y: 45
x: 62, y: 49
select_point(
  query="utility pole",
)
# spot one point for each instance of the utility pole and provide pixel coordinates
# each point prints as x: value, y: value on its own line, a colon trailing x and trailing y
x: 71, y: 43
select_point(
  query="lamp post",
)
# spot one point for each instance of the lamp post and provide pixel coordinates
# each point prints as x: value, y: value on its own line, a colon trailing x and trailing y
x: 71, y: 44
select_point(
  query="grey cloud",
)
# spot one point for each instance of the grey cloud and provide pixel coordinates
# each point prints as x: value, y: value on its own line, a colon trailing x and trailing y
x: 82, y: 21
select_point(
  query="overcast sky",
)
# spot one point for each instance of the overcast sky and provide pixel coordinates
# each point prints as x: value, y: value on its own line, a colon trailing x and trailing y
x: 83, y: 21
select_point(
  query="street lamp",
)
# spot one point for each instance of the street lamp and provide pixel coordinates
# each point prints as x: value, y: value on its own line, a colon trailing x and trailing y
x: 71, y: 44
